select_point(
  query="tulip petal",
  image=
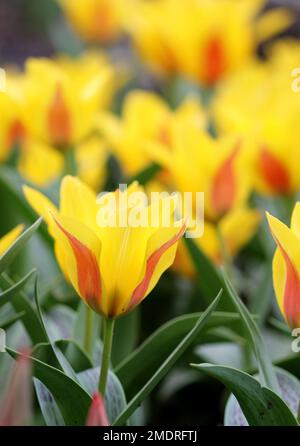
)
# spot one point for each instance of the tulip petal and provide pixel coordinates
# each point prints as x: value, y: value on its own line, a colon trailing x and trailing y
x: 81, y: 249
x: 159, y: 260
x: 274, y: 172
x: 224, y: 187
x: 42, y: 205
x: 59, y: 120
x: 9, y: 238
x: 78, y: 201
x: 285, y: 272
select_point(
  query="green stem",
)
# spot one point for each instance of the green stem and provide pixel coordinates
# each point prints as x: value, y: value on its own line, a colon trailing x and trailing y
x: 88, y: 334
x: 106, y: 354
x: 70, y: 162
x: 225, y: 257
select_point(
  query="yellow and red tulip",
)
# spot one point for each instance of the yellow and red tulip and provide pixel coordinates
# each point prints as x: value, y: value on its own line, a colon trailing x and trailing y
x: 61, y: 109
x: 112, y: 268
x: 129, y: 134
x: 195, y: 41
x: 258, y: 103
x: 237, y: 228
x: 286, y: 261
x: 96, y: 20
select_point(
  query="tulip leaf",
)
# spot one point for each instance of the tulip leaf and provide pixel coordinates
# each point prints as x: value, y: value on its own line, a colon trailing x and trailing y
x: 115, y: 400
x: 8, y: 257
x: 137, y: 368
x: 11, y: 184
x: 289, y: 392
x: 49, y: 408
x: 260, y: 405
x: 146, y: 175
x: 254, y: 337
x: 71, y: 398
x: 30, y: 319
x: 9, y: 320
x: 167, y: 364
x: 209, y: 279
x: 7, y: 295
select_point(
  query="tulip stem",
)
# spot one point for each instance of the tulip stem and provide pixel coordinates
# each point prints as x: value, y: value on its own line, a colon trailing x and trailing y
x: 225, y: 257
x: 106, y: 353
x: 88, y: 334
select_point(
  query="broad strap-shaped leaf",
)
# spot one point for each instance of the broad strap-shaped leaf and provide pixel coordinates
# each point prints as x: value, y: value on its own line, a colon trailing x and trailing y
x: 209, y: 279
x: 136, y: 370
x: 7, y: 295
x: 260, y: 405
x: 145, y: 175
x: 49, y: 408
x: 30, y: 319
x: 8, y: 257
x: 254, y: 337
x: 167, y: 364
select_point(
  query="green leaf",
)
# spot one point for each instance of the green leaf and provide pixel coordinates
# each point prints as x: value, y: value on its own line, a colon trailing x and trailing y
x: 8, y: 321
x: 22, y: 304
x: 254, y: 337
x: 260, y: 405
x: 209, y: 279
x: 115, y: 400
x: 71, y: 398
x: 145, y: 175
x: 49, y: 408
x: 8, y: 257
x: 124, y: 345
x: 137, y: 368
x: 7, y: 295
x: 289, y: 392
x: 167, y: 364
x: 11, y: 183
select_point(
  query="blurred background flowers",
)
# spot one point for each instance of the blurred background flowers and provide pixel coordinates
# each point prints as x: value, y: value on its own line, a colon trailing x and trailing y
x: 188, y: 96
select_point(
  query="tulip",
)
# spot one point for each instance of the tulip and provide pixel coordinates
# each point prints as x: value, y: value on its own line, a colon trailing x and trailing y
x: 237, y: 228
x: 95, y: 20
x: 12, y: 130
x: 286, y: 263
x: 259, y: 104
x: 112, y: 268
x: 129, y: 134
x: 7, y: 240
x: 195, y: 41
x: 196, y: 162
x: 61, y: 109
x: 97, y: 414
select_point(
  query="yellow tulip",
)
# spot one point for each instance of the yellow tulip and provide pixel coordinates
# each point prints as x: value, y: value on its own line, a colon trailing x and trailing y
x: 60, y: 99
x: 95, y: 20
x: 259, y: 103
x: 237, y: 229
x: 146, y: 117
x: 12, y: 130
x: 112, y: 268
x: 196, y: 162
x: 7, y: 240
x: 202, y: 40
x: 286, y: 261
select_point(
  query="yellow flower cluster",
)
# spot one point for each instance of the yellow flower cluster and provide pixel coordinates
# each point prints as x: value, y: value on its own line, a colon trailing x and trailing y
x: 50, y: 109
